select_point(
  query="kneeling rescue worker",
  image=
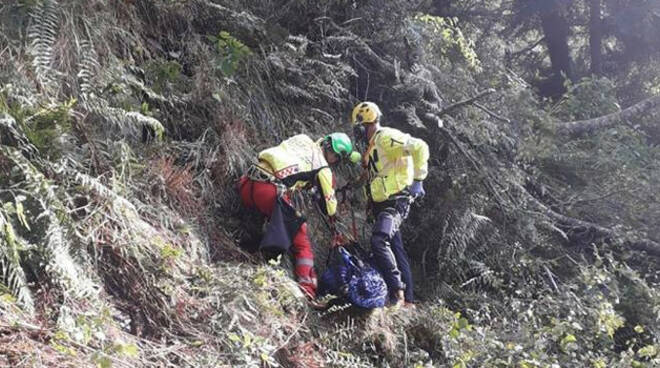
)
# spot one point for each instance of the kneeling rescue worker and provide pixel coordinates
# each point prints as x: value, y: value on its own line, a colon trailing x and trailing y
x: 396, y: 164
x: 297, y: 163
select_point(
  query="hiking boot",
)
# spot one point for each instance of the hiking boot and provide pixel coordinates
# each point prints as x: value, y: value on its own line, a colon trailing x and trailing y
x: 317, y: 304
x: 399, y: 299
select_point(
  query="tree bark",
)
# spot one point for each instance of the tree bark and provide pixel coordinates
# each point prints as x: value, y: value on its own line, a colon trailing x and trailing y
x: 580, y: 128
x: 647, y: 245
x: 467, y: 101
x: 595, y: 36
x: 556, y: 31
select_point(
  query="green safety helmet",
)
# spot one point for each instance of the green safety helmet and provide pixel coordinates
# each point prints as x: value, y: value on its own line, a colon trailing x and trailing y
x: 341, y: 145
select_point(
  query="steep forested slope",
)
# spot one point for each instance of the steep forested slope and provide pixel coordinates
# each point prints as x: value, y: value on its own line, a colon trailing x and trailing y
x: 125, y: 124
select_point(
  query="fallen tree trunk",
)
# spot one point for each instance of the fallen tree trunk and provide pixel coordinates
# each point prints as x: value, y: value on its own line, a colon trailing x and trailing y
x: 583, y: 127
x: 467, y: 101
x: 647, y: 245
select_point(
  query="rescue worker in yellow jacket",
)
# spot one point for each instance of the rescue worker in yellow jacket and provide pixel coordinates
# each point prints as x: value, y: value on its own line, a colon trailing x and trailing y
x: 297, y: 163
x: 396, y: 164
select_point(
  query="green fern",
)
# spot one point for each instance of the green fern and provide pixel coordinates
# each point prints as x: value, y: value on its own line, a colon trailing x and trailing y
x: 342, y: 359
x: 466, y: 230
x: 130, y: 233
x: 42, y: 35
x: 55, y: 248
x: 91, y: 81
x: 484, y: 275
x: 88, y: 68
x: 129, y: 123
x: 13, y: 274
x: 10, y: 126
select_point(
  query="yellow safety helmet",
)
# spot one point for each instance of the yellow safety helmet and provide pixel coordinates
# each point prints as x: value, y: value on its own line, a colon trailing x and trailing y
x: 365, y: 112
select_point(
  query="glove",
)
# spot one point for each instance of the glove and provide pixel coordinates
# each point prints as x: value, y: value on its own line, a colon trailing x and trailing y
x: 315, y: 193
x: 337, y: 240
x: 417, y: 189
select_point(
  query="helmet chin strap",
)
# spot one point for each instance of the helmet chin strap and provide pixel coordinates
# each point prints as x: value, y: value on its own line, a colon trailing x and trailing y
x: 327, y: 146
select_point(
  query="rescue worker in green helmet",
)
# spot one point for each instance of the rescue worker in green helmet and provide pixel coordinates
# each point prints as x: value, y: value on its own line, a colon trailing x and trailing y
x: 396, y: 164
x: 297, y: 163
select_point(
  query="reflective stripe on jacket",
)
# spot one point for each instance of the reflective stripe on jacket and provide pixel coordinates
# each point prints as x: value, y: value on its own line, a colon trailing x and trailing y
x: 394, y: 160
x: 296, y: 162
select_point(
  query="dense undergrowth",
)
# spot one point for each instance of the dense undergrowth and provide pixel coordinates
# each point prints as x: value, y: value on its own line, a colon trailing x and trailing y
x: 124, y: 125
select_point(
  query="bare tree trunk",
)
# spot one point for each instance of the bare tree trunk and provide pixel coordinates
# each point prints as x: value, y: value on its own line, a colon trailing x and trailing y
x: 595, y: 36
x: 556, y: 30
x: 583, y: 127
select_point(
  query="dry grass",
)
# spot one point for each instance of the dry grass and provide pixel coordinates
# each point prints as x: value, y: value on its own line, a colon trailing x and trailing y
x: 237, y: 143
x: 23, y: 349
x: 301, y: 355
x: 178, y: 185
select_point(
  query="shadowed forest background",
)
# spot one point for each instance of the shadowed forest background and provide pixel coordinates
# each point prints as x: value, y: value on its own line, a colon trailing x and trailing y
x: 124, y: 125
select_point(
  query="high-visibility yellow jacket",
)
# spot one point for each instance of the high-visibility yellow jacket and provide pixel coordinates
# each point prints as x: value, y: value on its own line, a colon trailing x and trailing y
x: 393, y: 160
x: 298, y: 161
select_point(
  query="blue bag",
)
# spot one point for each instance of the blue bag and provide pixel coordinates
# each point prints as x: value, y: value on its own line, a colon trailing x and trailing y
x: 355, y: 280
